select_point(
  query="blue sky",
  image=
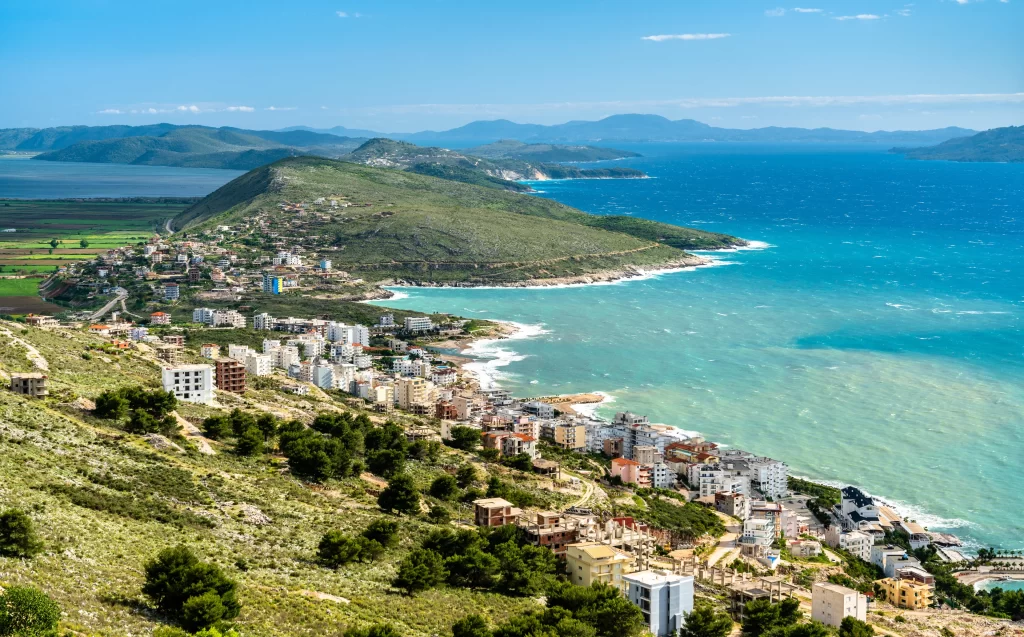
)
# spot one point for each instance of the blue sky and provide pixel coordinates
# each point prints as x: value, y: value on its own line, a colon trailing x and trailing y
x: 434, y: 64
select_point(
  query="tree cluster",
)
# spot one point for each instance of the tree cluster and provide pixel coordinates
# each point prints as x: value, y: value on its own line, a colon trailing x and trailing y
x: 196, y: 594
x: 337, y: 549
x: 252, y: 433
x: 572, y: 611
x: 763, y: 618
x: 464, y: 438
x: 147, y: 411
x: 497, y: 559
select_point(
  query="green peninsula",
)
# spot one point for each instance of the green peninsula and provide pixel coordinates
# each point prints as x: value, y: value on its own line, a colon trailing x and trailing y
x: 996, y: 145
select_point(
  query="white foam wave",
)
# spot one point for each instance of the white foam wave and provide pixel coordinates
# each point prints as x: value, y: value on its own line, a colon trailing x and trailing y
x: 590, y: 409
x: 751, y: 245
x: 492, y: 355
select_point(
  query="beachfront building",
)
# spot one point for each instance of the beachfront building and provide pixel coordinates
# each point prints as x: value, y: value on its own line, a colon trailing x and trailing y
x: 830, y: 603
x: 663, y: 599
x: 418, y: 324
x: 590, y: 562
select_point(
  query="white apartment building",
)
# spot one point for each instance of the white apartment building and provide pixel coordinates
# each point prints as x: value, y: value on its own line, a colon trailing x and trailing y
x: 257, y: 364
x: 758, y: 536
x: 345, y: 374
x: 341, y: 352
x: 363, y: 361
x: 239, y: 352
x: 228, y: 318
x: 286, y: 356
x: 663, y: 599
x: 270, y: 345
x: 856, y: 542
x: 263, y: 321
x: 202, y: 315
x: 830, y: 603
x: 190, y: 383
x: 322, y: 375
x: 662, y: 476
x: 403, y: 367
x: 418, y: 324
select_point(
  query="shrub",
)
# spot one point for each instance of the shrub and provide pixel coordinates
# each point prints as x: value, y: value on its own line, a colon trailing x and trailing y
x: 471, y: 626
x: 439, y: 514
x: 176, y: 577
x: 27, y: 612
x: 386, y: 462
x: 377, y: 630
x: 853, y: 627
x: 250, y: 443
x: 465, y: 438
x: 17, y: 535
x: 704, y: 621
x: 337, y: 549
x: 217, y: 427
x: 466, y: 475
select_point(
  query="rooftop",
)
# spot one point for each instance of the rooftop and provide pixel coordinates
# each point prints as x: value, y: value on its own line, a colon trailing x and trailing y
x: 651, y: 578
x: 492, y: 503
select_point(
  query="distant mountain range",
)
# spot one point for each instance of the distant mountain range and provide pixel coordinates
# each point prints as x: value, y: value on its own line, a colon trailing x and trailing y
x: 998, y: 145
x: 651, y: 128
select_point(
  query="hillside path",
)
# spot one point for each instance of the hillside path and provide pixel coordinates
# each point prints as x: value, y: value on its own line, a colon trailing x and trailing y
x: 30, y: 351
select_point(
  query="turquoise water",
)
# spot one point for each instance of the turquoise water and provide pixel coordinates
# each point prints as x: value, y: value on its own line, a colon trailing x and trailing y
x: 22, y: 178
x: 1006, y: 586
x: 876, y: 342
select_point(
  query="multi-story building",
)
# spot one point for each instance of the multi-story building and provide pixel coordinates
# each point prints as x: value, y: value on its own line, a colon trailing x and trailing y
x: 203, y: 315
x: 171, y: 292
x: 410, y: 391
x: 167, y: 353
x: 272, y: 283
x: 567, y: 435
x: 29, y: 384
x: 160, y: 318
x: 257, y: 364
x: 758, y: 537
x: 239, y: 352
x: 590, y: 562
x: 626, y: 470
x: 209, y: 350
x: 190, y: 383
x: 735, y: 504
x: 857, y: 511
x: 263, y: 321
x: 662, y: 476
x: 830, y: 603
x: 663, y: 599
x: 515, y: 444
x: 906, y: 592
x: 539, y: 409
x: 856, y: 542
x: 550, y: 529
x: 322, y: 375
x: 230, y: 375
x: 286, y: 356
x: 418, y: 324
x: 229, y: 318
x: 494, y: 512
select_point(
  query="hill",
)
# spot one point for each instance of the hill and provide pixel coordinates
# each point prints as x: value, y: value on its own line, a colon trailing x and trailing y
x: 513, y: 149
x: 996, y: 145
x: 185, y: 146
x: 497, y: 171
x: 397, y: 225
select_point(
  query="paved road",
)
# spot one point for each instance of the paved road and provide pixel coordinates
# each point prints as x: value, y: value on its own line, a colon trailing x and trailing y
x: 121, y: 296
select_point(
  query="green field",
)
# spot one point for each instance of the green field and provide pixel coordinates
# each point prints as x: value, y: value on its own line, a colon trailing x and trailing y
x: 102, y: 223
x: 18, y: 287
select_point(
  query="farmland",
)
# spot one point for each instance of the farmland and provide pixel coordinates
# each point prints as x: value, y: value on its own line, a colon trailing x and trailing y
x: 82, y: 229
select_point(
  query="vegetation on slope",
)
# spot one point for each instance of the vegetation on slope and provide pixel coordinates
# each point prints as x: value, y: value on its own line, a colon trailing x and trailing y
x: 414, y: 227
x: 996, y: 145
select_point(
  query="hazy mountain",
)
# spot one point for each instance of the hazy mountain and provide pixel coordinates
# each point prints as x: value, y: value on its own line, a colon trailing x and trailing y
x: 998, y: 144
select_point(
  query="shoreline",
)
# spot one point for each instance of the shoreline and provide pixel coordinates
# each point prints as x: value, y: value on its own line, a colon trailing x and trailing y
x: 489, y: 357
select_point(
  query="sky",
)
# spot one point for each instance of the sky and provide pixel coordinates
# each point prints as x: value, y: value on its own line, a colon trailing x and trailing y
x: 396, y: 66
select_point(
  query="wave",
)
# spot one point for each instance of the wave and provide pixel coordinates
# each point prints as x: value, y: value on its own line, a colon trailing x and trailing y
x: 492, y: 355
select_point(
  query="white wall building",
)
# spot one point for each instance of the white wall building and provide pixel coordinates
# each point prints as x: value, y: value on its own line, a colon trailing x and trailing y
x: 257, y: 364
x: 190, y: 383
x: 239, y: 352
x: 830, y: 603
x: 856, y: 542
x: 418, y: 324
x: 662, y: 597
x: 202, y: 315
x: 286, y: 356
x: 228, y: 318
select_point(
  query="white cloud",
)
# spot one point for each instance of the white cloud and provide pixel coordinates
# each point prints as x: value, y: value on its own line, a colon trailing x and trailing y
x: 240, y: 109
x: 775, y: 13
x: 280, y: 108
x: 686, y: 36
x: 903, y: 12
x: 803, y: 10
x: 861, y: 16
x: 345, y: 14
x: 192, y: 108
x: 110, y: 111
x: 342, y: 14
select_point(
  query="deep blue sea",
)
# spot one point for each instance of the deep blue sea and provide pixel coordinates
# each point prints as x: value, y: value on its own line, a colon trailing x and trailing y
x: 22, y: 178
x: 877, y: 341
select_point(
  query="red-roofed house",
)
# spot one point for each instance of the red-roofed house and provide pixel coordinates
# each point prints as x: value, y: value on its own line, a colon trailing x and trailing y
x: 160, y: 318
x: 515, y: 444
x: 626, y: 470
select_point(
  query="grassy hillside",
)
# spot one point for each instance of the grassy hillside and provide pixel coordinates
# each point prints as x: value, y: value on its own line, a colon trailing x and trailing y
x: 998, y: 144
x: 105, y: 501
x: 415, y: 227
x: 513, y: 149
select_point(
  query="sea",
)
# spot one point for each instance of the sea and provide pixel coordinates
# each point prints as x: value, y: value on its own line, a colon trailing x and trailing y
x: 873, y: 337
x: 23, y: 178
